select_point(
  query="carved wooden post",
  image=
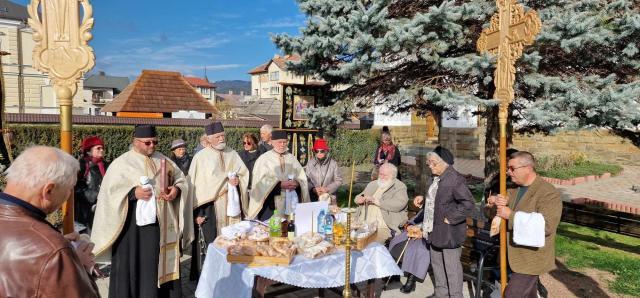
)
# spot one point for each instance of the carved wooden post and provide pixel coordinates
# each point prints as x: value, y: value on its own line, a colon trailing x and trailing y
x: 510, y: 30
x: 62, y: 51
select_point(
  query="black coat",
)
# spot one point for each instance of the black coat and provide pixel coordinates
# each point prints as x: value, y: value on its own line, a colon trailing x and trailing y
x: 454, y: 202
x: 86, y: 191
x: 249, y: 159
x: 183, y: 163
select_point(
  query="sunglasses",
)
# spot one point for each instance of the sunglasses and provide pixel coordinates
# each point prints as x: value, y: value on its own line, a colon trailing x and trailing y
x: 320, y: 151
x: 148, y: 143
x: 248, y: 143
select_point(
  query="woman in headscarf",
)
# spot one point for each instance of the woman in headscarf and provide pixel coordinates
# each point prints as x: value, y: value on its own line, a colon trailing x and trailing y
x: 180, y: 156
x: 92, y: 169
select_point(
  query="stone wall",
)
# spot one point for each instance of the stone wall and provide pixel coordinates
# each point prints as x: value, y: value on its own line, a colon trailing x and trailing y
x: 464, y: 142
x: 596, y: 144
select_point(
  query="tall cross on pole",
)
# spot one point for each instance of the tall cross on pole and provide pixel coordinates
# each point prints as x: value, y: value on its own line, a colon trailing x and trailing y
x: 63, y: 52
x: 510, y: 30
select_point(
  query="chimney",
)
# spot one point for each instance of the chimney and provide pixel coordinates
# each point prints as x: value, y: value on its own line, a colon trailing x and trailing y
x: 230, y: 92
x: 241, y: 93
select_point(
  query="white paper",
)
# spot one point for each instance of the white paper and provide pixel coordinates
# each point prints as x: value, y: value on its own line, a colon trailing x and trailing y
x: 304, y: 213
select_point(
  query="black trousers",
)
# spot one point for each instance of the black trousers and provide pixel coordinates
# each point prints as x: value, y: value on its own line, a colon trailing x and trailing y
x: 209, y: 230
x: 134, y: 265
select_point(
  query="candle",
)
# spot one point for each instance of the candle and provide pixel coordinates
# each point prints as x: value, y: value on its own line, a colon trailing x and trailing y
x: 353, y: 169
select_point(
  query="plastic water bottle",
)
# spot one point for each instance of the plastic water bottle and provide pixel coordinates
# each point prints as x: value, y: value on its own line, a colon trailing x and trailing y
x: 275, y: 224
x: 328, y: 227
x: 321, y: 223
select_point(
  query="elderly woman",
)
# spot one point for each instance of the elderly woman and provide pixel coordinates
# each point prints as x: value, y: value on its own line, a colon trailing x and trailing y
x: 92, y: 169
x: 250, y: 152
x: 179, y: 155
x: 384, y: 201
x: 446, y: 207
x: 323, y: 173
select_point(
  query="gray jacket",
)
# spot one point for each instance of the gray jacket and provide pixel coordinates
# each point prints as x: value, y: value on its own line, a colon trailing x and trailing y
x: 393, y: 203
x: 325, y: 174
x: 455, y: 203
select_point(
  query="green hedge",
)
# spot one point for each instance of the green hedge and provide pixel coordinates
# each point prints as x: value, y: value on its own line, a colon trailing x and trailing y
x: 348, y: 143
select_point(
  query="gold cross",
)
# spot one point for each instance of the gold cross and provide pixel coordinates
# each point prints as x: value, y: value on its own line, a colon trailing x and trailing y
x: 510, y: 30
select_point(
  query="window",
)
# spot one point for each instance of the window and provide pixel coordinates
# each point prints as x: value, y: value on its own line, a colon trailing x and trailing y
x: 275, y: 90
x: 205, y: 91
x: 275, y: 76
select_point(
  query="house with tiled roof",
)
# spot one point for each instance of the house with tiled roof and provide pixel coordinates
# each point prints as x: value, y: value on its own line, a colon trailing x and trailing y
x: 266, y: 78
x: 204, y: 87
x: 160, y: 94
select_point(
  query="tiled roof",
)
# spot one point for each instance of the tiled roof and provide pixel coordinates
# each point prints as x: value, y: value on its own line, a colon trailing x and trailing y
x: 261, y: 68
x: 157, y: 91
x: 233, y: 99
x: 101, y: 80
x: 265, y: 106
x: 199, y: 82
x: 110, y: 120
x: 280, y: 61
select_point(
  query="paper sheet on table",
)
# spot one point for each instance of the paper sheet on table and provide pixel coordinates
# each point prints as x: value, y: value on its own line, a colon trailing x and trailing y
x: 305, y: 212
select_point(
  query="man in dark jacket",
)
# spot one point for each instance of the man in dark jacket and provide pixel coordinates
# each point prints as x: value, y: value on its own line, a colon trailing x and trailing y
x: 35, y: 259
x: 447, y: 205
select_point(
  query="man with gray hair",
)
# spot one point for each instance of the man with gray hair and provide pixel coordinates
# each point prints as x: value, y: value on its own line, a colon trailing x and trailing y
x: 35, y: 259
x: 265, y: 138
x: 384, y: 201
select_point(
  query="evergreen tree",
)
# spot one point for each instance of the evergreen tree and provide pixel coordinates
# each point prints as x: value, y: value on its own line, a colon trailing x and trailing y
x: 582, y: 71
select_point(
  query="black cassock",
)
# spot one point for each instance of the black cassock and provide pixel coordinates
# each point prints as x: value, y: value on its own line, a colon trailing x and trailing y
x: 198, y: 247
x: 134, y: 264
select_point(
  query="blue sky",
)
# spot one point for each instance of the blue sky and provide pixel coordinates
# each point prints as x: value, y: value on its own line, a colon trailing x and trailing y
x: 229, y: 37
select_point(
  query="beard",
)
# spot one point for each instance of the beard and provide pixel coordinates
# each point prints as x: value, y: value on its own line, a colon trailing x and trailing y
x: 384, y: 184
x: 220, y: 146
x: 279, y: 151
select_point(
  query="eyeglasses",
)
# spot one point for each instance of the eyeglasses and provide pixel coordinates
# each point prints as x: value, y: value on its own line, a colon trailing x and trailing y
x: 432, y: 162
x: 148, y: 143
x: 512, y: 168
x: 320, y: 151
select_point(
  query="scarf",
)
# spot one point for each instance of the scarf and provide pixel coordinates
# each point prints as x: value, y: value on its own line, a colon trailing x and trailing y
x: 429, y: 207
x: 388, y: 150
x: 95, y: 160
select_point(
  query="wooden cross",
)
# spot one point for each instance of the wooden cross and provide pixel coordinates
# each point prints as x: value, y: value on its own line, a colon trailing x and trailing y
x: 510, y: 30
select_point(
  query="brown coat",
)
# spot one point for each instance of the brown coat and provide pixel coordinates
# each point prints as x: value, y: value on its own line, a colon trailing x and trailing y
x: 36, y: 261
x: 543, y: 198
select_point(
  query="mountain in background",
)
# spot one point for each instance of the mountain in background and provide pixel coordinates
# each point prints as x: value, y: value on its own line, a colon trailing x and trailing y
x: 223, y: 87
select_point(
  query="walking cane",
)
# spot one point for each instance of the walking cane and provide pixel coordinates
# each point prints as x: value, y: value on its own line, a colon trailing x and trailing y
x: 397, y: 262
x: 203, y: 247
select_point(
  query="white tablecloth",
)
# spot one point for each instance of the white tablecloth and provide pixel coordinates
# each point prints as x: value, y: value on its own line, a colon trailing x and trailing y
x: 222, y: 279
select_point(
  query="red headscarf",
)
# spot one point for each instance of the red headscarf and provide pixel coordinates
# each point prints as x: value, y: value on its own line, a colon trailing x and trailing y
x: 87, y: 144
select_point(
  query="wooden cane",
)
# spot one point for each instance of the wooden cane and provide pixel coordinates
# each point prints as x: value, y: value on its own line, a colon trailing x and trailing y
x: 398, y: 261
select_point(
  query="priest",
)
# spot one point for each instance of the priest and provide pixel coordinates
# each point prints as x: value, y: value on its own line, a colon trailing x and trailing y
x: 219, y: 181
x: 139, y: 226
x: 275, y: 173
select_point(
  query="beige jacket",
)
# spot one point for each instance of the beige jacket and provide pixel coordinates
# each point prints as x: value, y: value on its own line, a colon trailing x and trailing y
x: 393, y: 203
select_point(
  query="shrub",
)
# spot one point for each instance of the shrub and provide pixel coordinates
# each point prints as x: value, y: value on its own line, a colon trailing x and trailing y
x: 575, y: 164
x: 347, y: 146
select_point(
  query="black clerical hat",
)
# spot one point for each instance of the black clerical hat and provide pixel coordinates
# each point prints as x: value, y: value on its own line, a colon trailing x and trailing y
x: 279, y: 135
x: 444, y: 154
x: 213, y: 128
x: 145, y: 131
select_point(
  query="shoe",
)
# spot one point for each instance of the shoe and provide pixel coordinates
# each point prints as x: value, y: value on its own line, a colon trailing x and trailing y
x: 409, y: 286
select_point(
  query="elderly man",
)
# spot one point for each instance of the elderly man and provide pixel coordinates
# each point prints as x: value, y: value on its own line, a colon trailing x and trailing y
x: 323, y: 173
x: 138, y: 225
x: 274, y: 173
x: 219, y: 182
x: 384, y: 201
x: 533, y: 197
x: 447, y: 205
x: 265, y: 138
x: 35, y: 259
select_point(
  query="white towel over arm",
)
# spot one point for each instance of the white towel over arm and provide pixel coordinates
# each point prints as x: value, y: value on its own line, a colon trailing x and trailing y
x: 528, y: 229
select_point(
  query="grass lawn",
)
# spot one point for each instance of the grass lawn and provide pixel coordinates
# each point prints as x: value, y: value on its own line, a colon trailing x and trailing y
x: 584, y: 247
x: 581, y: 170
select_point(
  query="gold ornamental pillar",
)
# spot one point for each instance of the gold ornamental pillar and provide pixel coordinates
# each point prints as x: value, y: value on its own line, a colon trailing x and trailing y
x: 509, y: 31
x: 62, y: 51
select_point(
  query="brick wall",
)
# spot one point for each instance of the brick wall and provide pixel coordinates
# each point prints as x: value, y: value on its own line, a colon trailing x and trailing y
x: 464, y: 142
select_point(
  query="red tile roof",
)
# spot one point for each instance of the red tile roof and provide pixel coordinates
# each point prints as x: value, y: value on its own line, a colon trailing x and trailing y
x: 199, y: 82
x: 280, y: 61
x: 157, y: 91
